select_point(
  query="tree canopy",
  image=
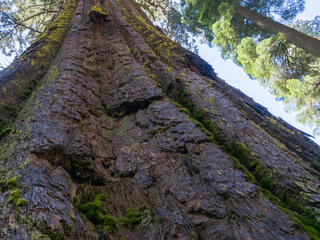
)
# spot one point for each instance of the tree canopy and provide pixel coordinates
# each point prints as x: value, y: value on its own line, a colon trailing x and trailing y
x: 289, y: 71
x: 23, y: 20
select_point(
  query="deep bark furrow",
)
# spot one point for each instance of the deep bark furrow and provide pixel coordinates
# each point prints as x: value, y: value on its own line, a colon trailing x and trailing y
x: 235, y: 127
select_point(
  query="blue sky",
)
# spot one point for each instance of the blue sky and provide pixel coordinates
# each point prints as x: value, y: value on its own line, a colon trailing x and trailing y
x: 236, y: 77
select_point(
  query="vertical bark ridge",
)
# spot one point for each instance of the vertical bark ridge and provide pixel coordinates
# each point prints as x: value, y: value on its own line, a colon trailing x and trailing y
x: 19, y: 79
x: 299, y: 142
x: 36, y: 147
x: 278, y: 160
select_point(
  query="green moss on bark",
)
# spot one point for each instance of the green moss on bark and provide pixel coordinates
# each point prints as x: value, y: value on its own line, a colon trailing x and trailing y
x: 2, y: 125
x: 12, y: 110
x: 97, y: 214
x: 6, y: 184
x: 97, y: 11
x: 14, y: 196
x: 131, y: 218
x: 13, y: 182
x: 21, y: 202
x: 6, y: 130
x: 246, y: 161
x: 54, y: 34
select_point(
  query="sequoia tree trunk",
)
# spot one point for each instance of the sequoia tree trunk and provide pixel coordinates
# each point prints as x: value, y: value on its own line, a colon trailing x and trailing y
x: 105, y: 103
x: 301, y: 40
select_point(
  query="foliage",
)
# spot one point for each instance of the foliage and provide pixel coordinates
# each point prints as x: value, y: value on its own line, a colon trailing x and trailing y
x: 167, y: 14
x: 205, y: 12
x: 291, y: 73
x: 23, y: 21
x: 219, y: 19
x: 311, y: 27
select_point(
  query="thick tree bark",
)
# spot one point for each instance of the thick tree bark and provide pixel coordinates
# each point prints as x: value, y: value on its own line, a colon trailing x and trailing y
x: 18, y: 80
x: 301, y: 40
x: 124, y: 111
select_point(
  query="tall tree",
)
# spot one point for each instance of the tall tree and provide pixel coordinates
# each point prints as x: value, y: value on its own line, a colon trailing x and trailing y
x: 204, y: 13
x: 291, y: 73
x: 111, y: 130
x: 299, y: 39
x: 246, y: 16
x: 285, y: 59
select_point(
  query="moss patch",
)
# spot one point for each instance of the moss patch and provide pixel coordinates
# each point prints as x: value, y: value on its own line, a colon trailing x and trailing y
x: 97, y: 11
x: 21, y: 202
x: 263, y: 176
x: 11, y: 183
x: 5, y: 131
x: 14, y: 196
x: 2, y: 125
x: 131, y: 218
x: 97, y: 214
x: 161, y: 44
x: 12, y: 111
x: 183, y: 98
x: 247, y: 162
x: 26, y: 93
x: 268, y: 184
x: 54, y: 34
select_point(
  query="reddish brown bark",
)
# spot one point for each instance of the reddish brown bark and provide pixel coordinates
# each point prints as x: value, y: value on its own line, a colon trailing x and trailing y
x: 104, y: 119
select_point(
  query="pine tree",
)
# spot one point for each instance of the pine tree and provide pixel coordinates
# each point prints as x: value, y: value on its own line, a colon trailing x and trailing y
x: 284, y: 58
x: 299, y: 39
x: 22, y: 21
x: 111, y: 130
